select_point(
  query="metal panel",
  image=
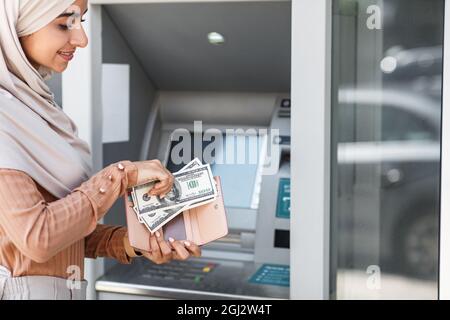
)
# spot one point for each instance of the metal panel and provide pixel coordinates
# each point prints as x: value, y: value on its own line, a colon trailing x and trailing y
x: 444, y: 253
x: 311, y: 88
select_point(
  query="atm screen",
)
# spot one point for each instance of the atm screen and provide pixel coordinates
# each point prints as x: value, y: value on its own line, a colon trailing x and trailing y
x: 237, y: 161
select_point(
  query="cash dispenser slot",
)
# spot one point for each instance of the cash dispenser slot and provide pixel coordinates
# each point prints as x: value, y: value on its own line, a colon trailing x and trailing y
x: 281, y: 239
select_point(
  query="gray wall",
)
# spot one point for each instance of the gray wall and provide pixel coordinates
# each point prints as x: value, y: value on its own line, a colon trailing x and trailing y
x: 142, y: 94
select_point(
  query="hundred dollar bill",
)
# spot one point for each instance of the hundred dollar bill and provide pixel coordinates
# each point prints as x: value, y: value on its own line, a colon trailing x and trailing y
x: 153, y: 224
x: 149, y: 186
x: 156, y: 219
x: 193, y: 164
x: 164, y: 216
x: 190, y: 186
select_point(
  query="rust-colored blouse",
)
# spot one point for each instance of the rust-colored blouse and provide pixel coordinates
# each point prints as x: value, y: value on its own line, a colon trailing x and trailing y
x: 41, y: 235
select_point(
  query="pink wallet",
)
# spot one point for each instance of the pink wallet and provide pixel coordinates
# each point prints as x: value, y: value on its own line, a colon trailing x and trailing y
x: 199, y: 225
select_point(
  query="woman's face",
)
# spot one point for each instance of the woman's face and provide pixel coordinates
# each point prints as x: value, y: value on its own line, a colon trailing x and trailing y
x: 54, y: 45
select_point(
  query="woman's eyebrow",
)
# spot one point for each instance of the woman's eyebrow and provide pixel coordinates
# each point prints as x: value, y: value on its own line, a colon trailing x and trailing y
x: 70, y: 14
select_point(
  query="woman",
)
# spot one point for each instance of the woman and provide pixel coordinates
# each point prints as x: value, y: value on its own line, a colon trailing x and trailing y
x: 49, y: 207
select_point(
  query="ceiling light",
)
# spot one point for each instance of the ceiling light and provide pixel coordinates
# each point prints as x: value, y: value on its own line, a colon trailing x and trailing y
x: 216, y: 38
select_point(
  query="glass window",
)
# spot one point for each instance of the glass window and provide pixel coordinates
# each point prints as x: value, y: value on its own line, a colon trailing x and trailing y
x: 401, y: 125
x: 397, y: 124
x: 386, y: 114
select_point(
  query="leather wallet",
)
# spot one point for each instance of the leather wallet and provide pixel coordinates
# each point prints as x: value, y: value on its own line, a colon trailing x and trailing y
x: 199, y: 225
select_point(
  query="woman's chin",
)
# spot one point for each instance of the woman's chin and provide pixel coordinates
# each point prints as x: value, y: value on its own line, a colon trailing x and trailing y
x: 60, y: 68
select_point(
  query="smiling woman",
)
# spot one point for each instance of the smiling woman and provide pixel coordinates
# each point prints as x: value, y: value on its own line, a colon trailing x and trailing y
x: 62, y: 37
x: 50, y: 204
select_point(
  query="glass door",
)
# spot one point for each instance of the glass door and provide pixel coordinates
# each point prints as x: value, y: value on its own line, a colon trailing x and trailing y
x: 386, y: 103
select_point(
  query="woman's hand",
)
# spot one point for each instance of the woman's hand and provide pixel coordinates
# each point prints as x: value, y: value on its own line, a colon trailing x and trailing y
x: 151, y: 171
x: 162, y: 251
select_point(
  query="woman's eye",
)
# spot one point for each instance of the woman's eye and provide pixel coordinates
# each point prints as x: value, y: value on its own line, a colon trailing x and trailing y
x: 66, y: 27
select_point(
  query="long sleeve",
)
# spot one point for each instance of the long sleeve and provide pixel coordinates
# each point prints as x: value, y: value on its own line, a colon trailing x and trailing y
x: 40, y: 229
x: 107, y: 241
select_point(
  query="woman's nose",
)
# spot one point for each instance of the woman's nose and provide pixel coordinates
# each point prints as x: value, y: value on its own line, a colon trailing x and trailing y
x: 78, y: 38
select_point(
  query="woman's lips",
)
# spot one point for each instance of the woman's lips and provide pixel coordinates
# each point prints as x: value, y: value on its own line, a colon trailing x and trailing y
x: 66, y: 55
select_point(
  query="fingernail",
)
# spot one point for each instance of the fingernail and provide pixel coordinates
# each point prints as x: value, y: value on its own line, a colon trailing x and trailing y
x: 158, y: 234
x: 187, y: 244
x: 162, y: 196
x: 172, y: 240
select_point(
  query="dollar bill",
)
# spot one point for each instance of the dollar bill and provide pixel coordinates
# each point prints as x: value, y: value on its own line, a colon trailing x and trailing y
x: 132, y: 196
x: 163, y: 217
x: 189, y: 187
x: 153, y: 224
x: 194, y: 186
x: 191, y: 165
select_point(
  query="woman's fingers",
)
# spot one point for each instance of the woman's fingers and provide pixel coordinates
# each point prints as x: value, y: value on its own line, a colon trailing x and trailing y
x: 164, y: 180
x: 180, y: 250
x: 154, y: 171
x: 169, y: 183
x: 148, y: 255
x: 164, y: 185
x: 156, y: 251
x: 162, y: 251
x: 193, y: 249
x: 165, y: 248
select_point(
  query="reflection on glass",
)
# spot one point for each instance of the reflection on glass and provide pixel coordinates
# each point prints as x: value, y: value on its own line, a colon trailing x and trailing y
x: 386, y: 113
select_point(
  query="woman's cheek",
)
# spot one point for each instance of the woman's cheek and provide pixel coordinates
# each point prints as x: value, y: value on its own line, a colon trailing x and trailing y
x: 58, y: 42
x: 58, y: 38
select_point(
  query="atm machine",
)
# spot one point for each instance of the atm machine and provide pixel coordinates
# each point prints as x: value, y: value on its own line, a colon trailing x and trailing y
x: 232, y: 93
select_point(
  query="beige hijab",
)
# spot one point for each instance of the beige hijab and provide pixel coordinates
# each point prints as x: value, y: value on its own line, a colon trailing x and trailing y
x: 36, y: 136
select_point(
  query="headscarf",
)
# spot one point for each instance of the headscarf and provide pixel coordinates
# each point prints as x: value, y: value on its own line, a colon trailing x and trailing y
x: 36, y: 136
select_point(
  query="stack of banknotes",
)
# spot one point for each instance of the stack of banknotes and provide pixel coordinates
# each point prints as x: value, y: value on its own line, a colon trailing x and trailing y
x: 194, y: 186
